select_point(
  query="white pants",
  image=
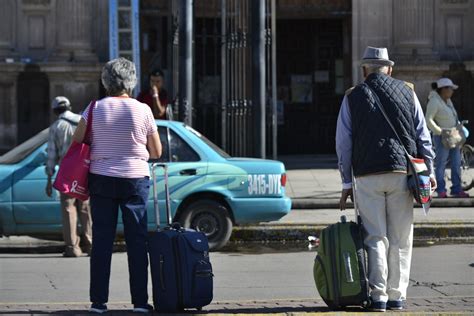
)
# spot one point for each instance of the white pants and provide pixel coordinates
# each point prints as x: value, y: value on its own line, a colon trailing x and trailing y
x: 386, y: 209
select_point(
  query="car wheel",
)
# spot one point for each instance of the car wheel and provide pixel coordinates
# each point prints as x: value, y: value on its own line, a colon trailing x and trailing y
x: 211, y: 218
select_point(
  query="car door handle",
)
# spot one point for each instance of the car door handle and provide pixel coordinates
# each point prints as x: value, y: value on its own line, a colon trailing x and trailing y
x: 188, y: 172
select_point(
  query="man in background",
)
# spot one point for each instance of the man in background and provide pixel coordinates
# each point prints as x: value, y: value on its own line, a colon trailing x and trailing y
x: 59, y: 140
x: 156, y: 97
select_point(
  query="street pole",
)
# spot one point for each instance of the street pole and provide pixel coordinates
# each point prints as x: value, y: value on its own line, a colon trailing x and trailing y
x: 274, y: 82
x: 186, y: 24
x: 223, y: 75
x: 258, y: 75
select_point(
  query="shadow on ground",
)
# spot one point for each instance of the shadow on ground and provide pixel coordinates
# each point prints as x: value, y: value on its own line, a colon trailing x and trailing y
x: 224, y: 310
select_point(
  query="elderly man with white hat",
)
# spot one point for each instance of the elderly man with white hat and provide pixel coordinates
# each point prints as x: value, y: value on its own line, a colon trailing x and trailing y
x: 369, y: 151
x: 59, y: 140
x: 441, y: 117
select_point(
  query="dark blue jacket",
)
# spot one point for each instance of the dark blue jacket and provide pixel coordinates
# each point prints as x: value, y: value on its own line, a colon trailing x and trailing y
x: 375, y: 146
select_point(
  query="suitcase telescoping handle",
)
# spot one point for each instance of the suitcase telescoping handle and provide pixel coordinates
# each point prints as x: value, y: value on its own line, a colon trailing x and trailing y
x: 356, y: 208
x: 154, y: 166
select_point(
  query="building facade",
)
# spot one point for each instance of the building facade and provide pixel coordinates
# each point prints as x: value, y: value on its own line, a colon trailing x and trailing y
x: 47, y: 48
x: 57, y: 47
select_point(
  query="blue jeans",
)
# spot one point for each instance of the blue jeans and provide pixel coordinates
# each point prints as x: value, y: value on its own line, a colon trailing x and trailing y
x: 441, y: 160
x: 107, y: 194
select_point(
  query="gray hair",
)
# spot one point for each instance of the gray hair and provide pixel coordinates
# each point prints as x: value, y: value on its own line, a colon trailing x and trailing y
x: 377, y: 68
x: 119, y: 76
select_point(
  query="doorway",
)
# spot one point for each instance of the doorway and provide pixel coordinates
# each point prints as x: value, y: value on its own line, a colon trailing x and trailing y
x: 33, y: 102
x: 313, y: 72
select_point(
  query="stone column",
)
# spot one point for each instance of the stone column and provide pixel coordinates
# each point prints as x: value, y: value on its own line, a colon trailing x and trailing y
x: 371, y: 26
x: 74, y: 25
x: 8, y: 15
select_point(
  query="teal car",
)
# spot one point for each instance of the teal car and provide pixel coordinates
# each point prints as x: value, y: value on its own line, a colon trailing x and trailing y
x: 210, y: 191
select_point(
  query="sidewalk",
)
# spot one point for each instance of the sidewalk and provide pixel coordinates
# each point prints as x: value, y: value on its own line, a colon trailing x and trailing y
x: 314, y: 182
x: 453, y: 225
x: 314, y: 186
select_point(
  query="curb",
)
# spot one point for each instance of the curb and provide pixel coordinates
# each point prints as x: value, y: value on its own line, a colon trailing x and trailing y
x: 278, y: 234
x: 281, y: 236
x: 332, y: 203
x: 423, y: 232
x: 287, y: 307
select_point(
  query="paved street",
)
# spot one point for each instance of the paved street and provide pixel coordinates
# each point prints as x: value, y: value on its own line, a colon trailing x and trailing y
x: 442, y: 279
x: 256, y: 280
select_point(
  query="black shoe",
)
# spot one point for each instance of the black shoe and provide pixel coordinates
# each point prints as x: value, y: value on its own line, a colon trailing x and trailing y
x: 378, y: 307
x: 395, y: 305
x: 142, y: 308
x: 98, y: 308
x: 72, y: 252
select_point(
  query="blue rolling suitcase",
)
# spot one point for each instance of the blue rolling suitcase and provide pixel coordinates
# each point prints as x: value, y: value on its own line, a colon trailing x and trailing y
x: 179, y: 258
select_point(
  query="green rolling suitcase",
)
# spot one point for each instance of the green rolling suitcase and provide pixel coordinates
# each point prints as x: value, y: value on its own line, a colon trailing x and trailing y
x: 340, y: 269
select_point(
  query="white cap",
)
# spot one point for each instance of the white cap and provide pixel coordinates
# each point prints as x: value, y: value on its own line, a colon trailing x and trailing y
x: 446, y: 82
x: 59, y: 102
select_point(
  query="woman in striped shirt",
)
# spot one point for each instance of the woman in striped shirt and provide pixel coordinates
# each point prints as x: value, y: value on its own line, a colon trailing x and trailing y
x: 124, y: 137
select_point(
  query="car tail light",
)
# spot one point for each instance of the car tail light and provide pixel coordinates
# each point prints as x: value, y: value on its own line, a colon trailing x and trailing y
x: 283, y: 179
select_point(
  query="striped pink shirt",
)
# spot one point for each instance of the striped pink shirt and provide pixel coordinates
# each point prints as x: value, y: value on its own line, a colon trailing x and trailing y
x: 120, y: 127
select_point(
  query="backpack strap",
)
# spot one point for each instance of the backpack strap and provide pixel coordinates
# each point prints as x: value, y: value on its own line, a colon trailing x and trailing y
x: 69, y: 121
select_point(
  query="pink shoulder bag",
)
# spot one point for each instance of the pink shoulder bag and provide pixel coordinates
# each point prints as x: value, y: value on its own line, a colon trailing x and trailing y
x: 73, y: 174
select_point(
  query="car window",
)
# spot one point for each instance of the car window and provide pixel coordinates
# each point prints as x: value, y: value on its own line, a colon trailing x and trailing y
x: 216, y: 148
x: 20, y: 152
x: 180, y: 149
x: 164, y: 144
